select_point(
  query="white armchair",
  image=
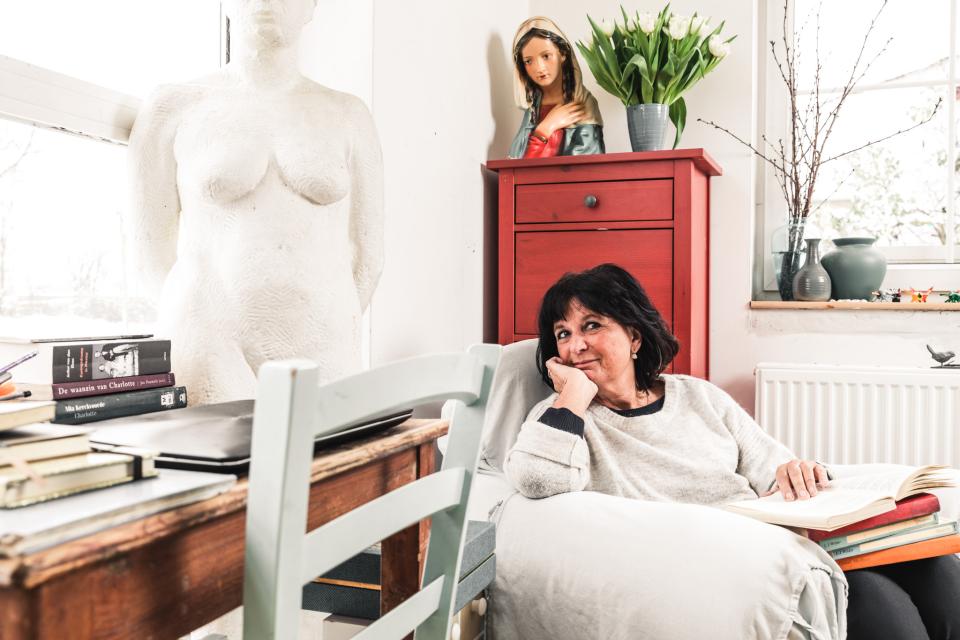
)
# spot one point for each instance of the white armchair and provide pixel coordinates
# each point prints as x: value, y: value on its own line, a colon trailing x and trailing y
x: 588, y: 565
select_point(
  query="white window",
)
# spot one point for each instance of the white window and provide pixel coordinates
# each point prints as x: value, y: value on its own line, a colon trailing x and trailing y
x: 903, y: 191
x: 80, y: 68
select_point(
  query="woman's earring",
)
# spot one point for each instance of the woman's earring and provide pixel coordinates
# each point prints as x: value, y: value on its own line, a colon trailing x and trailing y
x: 634, y: 355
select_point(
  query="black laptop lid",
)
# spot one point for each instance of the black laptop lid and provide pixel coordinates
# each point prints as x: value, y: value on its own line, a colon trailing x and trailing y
x: 213, y: 437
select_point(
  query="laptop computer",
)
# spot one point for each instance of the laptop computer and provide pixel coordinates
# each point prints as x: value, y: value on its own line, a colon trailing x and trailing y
x: 213, y: 437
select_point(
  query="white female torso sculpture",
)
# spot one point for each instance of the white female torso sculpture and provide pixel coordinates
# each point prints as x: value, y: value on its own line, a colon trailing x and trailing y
x: 258, y: 206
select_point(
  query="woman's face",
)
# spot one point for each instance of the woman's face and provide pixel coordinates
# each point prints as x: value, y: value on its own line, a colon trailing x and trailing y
x: 269, y: 23
x: 598, y: 345
x: 543, y: 62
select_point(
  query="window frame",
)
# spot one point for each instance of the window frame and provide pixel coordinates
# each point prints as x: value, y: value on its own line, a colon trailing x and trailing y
x: 41, y: 97
x: 908, y: 266
x: 44, y: 98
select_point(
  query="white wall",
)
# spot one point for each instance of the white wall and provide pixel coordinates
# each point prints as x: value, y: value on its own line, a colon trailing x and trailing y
x: 336, y: 48
x: 442, y: 106
x: 442, y: 100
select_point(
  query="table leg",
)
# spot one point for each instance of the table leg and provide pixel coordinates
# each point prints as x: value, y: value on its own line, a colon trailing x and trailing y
x: 403, y: 553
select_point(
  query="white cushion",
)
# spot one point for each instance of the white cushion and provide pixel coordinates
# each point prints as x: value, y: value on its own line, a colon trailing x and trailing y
x: 588, y: 565
x: 515, y: 389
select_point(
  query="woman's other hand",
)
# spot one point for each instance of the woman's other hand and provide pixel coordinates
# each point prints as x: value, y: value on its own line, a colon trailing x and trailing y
x: 575, y: 389
x: 561, y: 117
x: 799, y: 479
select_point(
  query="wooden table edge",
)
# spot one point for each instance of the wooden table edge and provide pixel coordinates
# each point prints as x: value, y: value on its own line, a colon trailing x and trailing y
x: 31, y: 570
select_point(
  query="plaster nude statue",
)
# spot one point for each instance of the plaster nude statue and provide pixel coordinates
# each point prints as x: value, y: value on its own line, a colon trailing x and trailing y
x: 257, y: 212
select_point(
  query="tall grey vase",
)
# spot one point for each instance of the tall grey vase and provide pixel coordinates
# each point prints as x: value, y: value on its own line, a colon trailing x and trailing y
x: 856, y: 267
x: 647, y: 124
x: 812, y: 282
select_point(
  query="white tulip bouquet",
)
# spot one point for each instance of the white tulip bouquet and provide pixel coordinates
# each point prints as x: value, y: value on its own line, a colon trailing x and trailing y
x: 654, y: 58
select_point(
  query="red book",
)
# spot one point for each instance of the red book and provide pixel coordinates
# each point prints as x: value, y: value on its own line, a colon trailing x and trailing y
x: 87, y: 388
x: 917, y: 505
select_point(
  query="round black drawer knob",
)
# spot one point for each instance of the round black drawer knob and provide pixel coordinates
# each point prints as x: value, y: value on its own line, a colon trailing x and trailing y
x: 591, y: 202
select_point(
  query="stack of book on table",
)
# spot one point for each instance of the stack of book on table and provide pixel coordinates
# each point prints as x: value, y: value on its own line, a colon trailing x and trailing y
x: 70, y: 382
x: 85, y: 380
x: 45, y: 524
x: 880, y: 517
x: 40, y: 462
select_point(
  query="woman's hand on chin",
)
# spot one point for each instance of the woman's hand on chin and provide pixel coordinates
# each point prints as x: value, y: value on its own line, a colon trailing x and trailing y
x: 576, y: 391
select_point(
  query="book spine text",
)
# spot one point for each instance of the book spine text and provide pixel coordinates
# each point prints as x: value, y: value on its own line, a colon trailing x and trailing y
x: 119, y: 405
x: 66, y: 390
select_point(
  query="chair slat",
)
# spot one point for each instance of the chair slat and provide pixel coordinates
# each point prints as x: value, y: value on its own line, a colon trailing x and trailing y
x: 405, y: 618
x: 448, y: 528
x: 399, y: 386
x: 351, y: 533
x: 291, y: 409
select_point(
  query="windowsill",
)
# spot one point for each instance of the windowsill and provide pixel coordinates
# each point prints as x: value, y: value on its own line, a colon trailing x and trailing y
x: 854, y: 305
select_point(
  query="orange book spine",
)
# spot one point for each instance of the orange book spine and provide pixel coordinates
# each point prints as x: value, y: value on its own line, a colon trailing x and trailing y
x: 916, y: 551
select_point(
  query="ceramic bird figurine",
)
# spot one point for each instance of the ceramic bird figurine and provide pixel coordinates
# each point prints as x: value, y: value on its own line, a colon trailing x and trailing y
x: 943, y: 357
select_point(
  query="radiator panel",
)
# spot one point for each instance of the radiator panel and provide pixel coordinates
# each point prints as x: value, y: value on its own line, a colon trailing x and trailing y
x: 853, y: 414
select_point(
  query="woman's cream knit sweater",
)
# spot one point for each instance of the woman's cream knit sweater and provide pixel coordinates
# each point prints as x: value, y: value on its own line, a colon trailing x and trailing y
x: 701, y: 448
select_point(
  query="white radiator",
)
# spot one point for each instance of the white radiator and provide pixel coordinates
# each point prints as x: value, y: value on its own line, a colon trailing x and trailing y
x: 853, y: 414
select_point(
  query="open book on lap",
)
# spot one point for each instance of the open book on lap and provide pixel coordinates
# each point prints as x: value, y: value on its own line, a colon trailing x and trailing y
x: 847, y: 500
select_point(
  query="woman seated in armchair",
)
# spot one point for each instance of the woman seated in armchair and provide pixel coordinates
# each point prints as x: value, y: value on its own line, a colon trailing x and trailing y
x: 617, y: 424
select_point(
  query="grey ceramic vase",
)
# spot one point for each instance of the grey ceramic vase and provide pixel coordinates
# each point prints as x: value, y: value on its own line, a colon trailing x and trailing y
x: 856, y: 268
x: 647, y: 124
x: 812, y: 282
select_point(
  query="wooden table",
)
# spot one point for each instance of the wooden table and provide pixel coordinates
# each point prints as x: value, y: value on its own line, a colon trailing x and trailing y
x: 166, y: 575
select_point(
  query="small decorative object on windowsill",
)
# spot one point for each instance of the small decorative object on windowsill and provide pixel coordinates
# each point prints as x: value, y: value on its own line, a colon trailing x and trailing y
x: 856, y: 267
x: 943, y: 357
x: 648, y: 62
x: 785, y: 263
x: 918, y: 295
x: 797, y: 160
x: 952, y: 297
x: 812, y: 282
x: 889, y: 295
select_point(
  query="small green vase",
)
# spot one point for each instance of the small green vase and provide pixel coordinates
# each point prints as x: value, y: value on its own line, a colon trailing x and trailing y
x: 856, y: 268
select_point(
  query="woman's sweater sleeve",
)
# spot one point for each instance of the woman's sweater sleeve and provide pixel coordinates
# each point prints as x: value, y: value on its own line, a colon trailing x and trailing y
x: 545, y: 460
x: 760, y: 453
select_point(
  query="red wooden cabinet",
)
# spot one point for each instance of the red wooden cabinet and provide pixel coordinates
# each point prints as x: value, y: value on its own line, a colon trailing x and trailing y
x: 648, y: 212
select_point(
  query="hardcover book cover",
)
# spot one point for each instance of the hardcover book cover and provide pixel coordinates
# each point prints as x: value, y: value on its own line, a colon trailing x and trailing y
x: 58, y: 477
x: 76, y: 361
x: 17, y: 413
x: 96, y: 361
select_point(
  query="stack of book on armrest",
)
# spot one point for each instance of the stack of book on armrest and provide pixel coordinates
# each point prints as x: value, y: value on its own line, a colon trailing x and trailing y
x: 915, y: 519
x: 931, y: 548
x: 861, y: 515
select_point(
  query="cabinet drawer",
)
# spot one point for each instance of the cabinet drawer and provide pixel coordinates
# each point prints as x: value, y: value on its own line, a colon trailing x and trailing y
x: 611, y: 201
x: 543, y: 256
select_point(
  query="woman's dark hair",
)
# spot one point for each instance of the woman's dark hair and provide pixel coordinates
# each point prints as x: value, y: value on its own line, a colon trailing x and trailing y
x: 610, y: 291
x: 569, y: 80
